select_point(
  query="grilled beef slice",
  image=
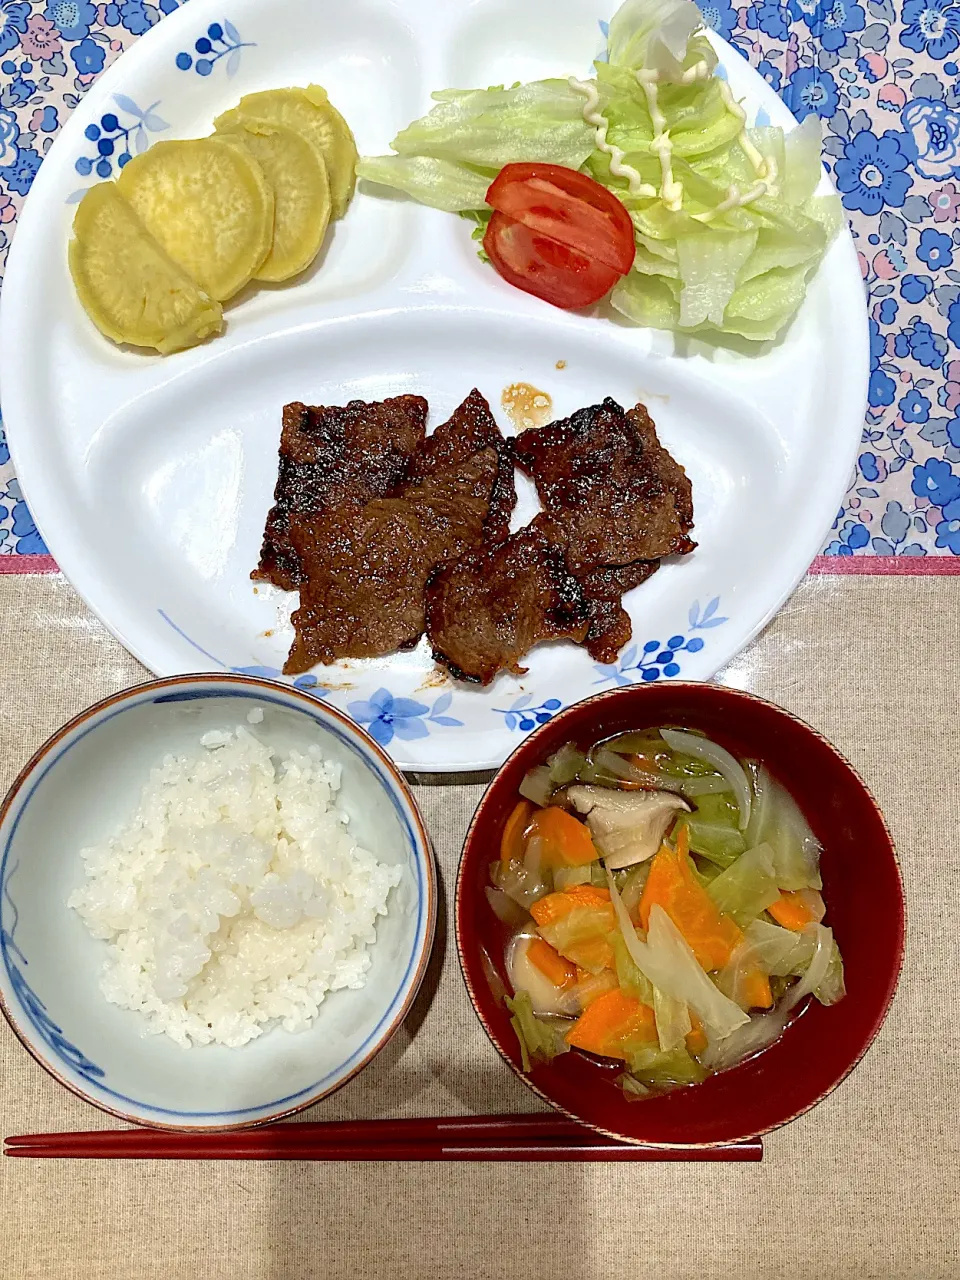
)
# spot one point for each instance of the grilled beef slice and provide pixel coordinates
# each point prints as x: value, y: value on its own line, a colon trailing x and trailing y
x: 335, y: 459
x: 490, y: 607
x: 367, y: 570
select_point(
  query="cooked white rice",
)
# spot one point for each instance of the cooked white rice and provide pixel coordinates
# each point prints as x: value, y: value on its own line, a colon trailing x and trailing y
x: 235, y: 897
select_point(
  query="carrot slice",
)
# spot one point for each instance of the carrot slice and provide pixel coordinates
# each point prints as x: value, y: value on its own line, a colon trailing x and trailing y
x: 578, y: 922
x: 514, y: 830
x: 696, y: 1038
x: 756, y: 990
x: 551, y: 963
x: 609, y: 1021
x: 673, y: 885
x: 554, y: 906
x: 566, y: 840
x: 798, y: 909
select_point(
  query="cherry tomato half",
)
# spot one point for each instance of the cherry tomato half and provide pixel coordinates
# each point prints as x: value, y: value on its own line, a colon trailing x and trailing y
x: 540, y: 265
x: 569, y: 207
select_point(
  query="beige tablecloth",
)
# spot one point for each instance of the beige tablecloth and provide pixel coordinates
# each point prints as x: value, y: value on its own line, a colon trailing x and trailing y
x: 867, y: 1186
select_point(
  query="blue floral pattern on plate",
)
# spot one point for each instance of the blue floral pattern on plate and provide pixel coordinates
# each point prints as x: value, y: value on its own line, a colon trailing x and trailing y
x: 385, y: 717
x: 653, y: 660
x: 307, y: 682
x: 524, y: 715
x: 14, y: 961
x: 222, y: 40
x: 116, y: 141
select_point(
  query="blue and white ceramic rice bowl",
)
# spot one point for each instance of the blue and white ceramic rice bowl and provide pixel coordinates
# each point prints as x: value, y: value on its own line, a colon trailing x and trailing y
x: 76, y: 792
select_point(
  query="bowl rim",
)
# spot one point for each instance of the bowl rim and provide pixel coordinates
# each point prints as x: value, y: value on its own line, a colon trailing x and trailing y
x: 459, y: 894
x: 424, y: 852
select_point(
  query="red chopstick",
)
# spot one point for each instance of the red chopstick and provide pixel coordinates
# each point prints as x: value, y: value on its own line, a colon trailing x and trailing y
x: 524, y: 1138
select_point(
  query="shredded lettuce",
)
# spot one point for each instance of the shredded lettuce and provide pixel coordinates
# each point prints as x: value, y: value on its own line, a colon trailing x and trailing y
x: 492, y: 127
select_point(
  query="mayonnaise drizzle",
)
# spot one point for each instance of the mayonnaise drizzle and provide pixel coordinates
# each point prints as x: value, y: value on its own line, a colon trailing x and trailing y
x: 592, y: 116
x: 671, y: 191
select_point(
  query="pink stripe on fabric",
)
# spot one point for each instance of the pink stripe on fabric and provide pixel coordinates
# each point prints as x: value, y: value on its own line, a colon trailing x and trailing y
x: 889, y: 566
x: 28, y: 564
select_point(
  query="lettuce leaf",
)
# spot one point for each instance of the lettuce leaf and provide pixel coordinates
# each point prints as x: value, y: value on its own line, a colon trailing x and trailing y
x: 442, y: 184
x: 542, y: 120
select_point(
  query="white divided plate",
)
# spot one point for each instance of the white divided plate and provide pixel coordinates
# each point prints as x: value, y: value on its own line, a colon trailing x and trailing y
x: 150, y: 477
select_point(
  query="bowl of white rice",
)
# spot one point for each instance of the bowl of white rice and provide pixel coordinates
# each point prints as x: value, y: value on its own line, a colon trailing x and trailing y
x: 217, y: 902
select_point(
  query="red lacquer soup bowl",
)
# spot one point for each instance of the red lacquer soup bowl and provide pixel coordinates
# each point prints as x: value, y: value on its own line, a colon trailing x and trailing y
x: 861, y: 887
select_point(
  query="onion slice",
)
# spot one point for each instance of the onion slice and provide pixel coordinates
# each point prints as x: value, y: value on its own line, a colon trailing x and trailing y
x: 689, y: 744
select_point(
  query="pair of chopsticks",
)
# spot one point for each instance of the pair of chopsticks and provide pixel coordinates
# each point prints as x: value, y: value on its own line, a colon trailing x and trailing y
x: 523, y: 1138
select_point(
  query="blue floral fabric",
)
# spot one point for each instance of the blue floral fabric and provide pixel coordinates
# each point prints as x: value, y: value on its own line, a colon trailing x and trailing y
x: 883, y: 76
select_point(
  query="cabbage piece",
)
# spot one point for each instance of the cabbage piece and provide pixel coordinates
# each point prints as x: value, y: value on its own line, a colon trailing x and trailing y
x: 518, y: 882
x: 565, y: 764
x: 721, y: 845
x: 540, y: 1038
x: 780, y: 824
x: 668, y: 962
x: 567, y: 877
x: 778, y: 952
x: 720, y: 759
x: 659, y: 1070
x: 442, y: 184
x: 631, y: 980
x: 582, y: 937
x: 748, y: 885
x: 542, y: 120
x: 711, y: 784
x: 673, y: 1020
x: 832, y: 986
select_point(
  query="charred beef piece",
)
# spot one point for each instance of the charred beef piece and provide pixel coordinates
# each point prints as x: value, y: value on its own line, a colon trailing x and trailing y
x: 610, y: 626
x: 666, y: 467
x: 490, y: 607
x: 619, y: 495
x: 367, y: 570
x: 472, y: 427
x: 618, y: 502
x: 335, y: 459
